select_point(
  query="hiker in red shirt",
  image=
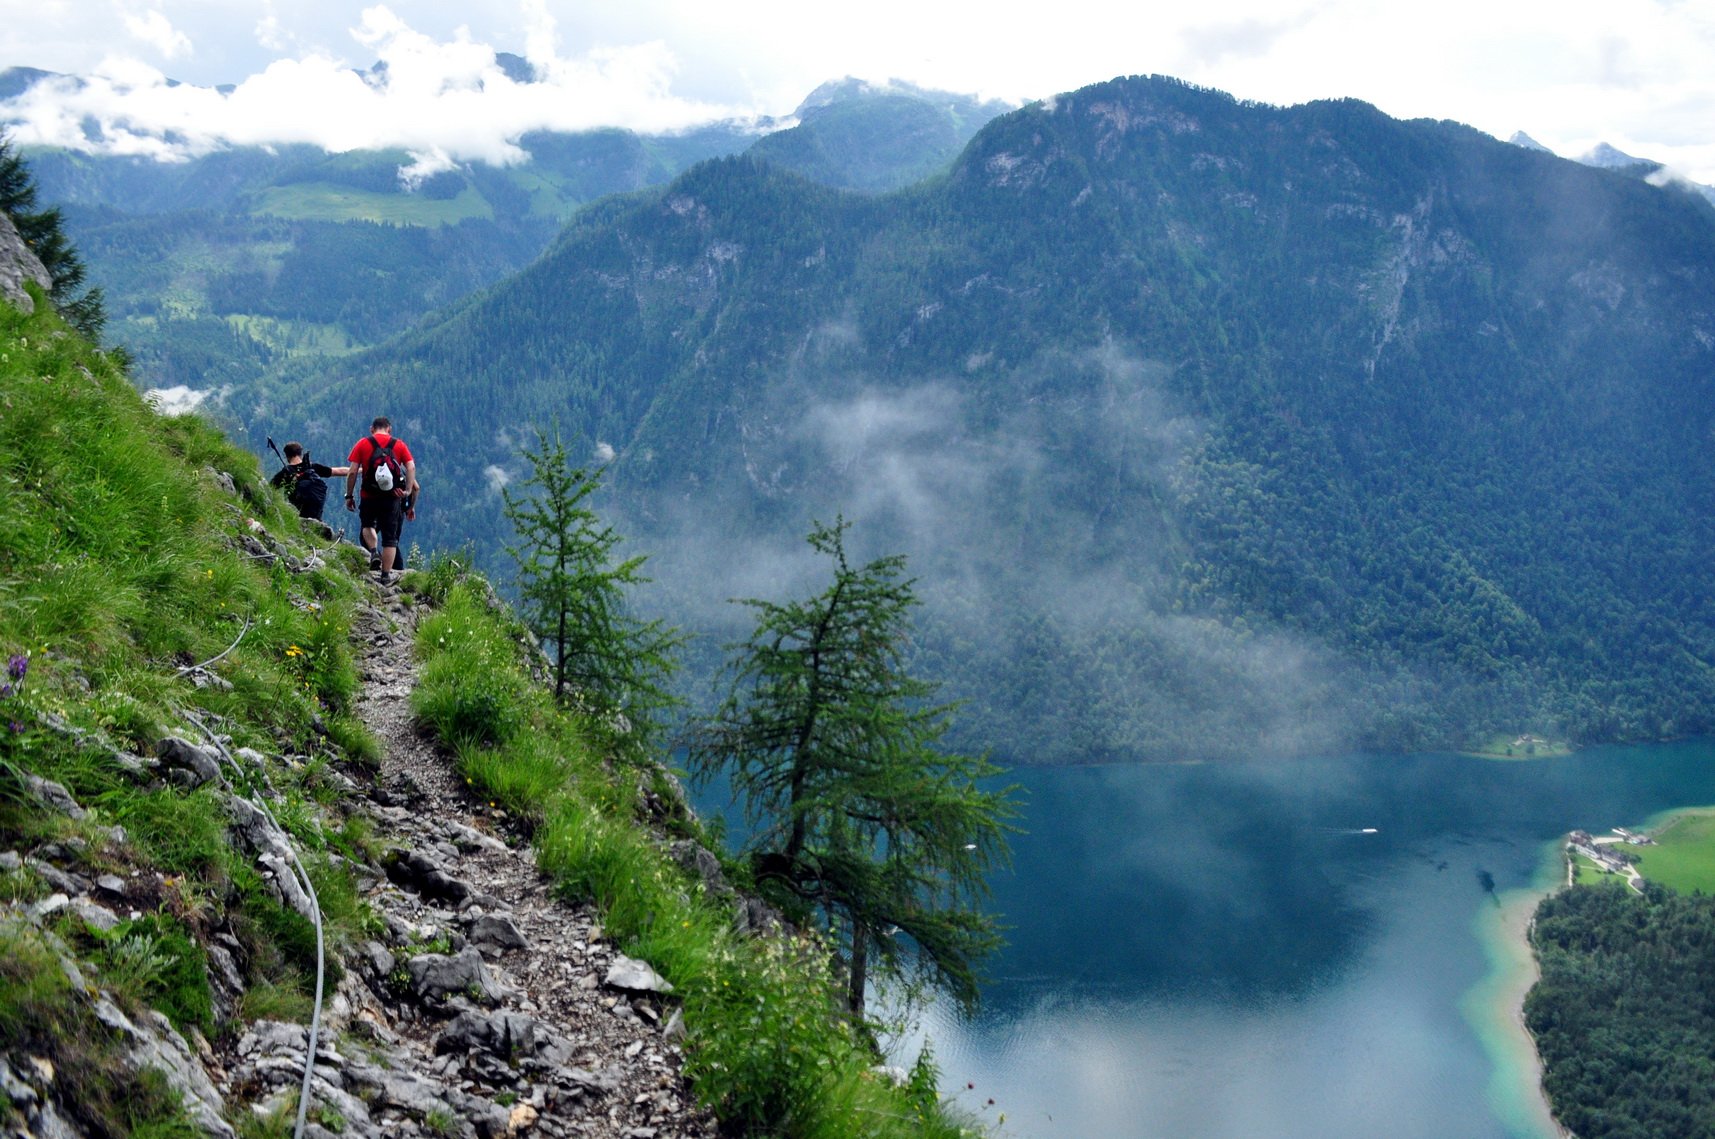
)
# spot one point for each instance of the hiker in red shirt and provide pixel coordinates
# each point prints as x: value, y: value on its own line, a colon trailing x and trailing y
x: 389, y: 476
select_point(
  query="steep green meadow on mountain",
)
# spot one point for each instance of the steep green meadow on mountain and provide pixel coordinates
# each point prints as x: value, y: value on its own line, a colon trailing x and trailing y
x: 1209, y: 427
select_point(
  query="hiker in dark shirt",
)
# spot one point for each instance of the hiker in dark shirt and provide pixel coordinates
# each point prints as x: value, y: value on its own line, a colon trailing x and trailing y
x: 389, y: 474
x: 302, y: 480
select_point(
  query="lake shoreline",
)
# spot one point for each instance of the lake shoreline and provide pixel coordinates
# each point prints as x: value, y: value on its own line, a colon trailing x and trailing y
x: 1495, y: 1006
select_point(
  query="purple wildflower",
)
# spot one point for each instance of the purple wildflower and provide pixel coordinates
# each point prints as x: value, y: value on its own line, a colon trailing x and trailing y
x: 18, y: 666
x: 17, y: 728
x: 5, y: 691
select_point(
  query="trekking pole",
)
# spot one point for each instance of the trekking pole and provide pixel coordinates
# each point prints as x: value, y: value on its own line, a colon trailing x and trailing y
x: 275, y: 449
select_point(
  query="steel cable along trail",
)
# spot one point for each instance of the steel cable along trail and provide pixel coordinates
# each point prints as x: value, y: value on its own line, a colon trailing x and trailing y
x: 61, y: 726
x: 258, y: 801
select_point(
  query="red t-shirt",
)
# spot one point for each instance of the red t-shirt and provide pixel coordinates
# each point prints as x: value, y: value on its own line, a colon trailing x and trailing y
x: 361, y: 450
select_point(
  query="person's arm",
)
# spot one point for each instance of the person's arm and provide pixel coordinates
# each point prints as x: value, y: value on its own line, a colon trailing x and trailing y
x: 350, y: 486
x: 410, y: 478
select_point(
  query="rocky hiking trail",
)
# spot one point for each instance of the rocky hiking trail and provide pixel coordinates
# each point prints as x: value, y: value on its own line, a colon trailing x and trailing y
x: 491, y: 1007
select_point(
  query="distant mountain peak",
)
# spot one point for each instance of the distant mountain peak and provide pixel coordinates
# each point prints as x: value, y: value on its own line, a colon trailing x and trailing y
x: 1608, y: 158
x: 851, y: 88
x: 1519, y: 138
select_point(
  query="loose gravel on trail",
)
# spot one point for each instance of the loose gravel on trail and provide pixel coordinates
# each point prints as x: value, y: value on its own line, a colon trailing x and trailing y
x: 489, y: 994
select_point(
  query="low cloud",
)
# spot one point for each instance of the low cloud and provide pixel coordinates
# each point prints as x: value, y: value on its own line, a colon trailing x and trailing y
x: 179, y: 400
x: 445, y: 101
x: 157, y: 31
x: 1040, y: 529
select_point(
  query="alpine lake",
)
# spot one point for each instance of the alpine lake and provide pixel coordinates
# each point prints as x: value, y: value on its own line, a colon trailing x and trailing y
x: 1329, y: 948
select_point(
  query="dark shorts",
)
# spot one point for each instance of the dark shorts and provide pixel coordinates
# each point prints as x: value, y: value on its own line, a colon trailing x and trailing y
x: 385, y: 514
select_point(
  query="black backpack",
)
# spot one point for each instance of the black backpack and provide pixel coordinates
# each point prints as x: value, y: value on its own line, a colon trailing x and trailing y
x: 381, y: 457
x: 309, y: 491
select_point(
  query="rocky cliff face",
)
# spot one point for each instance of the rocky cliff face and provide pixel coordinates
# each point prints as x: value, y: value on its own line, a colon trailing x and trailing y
x: 17, y: 265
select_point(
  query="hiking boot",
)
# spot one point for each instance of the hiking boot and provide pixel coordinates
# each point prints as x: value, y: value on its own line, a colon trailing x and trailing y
x: 374, y: 561
x: 387, y: 578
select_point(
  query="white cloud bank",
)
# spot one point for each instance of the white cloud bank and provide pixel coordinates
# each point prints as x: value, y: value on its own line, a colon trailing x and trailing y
x: 1572, y: 73
x: 443, y: 101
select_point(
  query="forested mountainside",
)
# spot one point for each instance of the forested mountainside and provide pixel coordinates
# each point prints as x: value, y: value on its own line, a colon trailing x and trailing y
x: 1209, y: 427
x: 218, y: 267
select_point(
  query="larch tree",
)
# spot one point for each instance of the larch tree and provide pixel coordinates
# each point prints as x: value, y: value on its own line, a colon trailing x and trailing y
x: 860, y: 820
x: 572, y: 591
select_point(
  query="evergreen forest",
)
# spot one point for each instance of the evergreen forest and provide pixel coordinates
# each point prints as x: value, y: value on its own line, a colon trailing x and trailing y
x: 1624, y: 1015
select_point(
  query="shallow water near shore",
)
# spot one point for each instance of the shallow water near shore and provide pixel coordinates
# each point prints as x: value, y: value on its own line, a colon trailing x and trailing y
x: 1328, y: 948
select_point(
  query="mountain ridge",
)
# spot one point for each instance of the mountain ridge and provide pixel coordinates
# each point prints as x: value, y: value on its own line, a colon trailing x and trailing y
x: 1257, y: 394
x: 220, y: 266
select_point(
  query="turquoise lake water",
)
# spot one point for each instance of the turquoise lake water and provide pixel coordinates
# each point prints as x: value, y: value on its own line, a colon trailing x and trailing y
x: 1221, y: 951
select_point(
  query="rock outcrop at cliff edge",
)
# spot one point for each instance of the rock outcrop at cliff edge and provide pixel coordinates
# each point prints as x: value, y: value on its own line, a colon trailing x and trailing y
x: 17, y: 265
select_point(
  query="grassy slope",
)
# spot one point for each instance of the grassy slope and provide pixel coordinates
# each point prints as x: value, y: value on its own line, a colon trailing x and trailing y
x: 322, y: 202
x: 123, y: 562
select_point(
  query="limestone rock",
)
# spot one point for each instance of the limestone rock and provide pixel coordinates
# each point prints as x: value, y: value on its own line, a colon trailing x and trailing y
x: 187, y: 764
x: 635, y: 976
x: 435, y: 977
x: 95, y: 915
x: 507, y: 1035
x: 701, y: 861
x: 496, y: 932
x: 18, y: 263
x: 470, y: 839
x: 54, y: 795
x: 154, y: 1044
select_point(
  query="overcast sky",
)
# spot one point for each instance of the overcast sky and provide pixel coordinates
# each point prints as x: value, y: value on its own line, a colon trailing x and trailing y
x: 1639, y: 74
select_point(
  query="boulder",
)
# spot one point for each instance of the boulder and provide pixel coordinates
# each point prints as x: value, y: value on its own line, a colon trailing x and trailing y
x: 496, y: 932
x: 508, y: 1035
x: 435, y: 977
x: 94, y: 915
x: 701, y: 861
x: 468, y: 838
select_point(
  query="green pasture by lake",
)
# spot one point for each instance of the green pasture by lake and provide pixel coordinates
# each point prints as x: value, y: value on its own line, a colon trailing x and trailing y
x: 1683, y: 856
